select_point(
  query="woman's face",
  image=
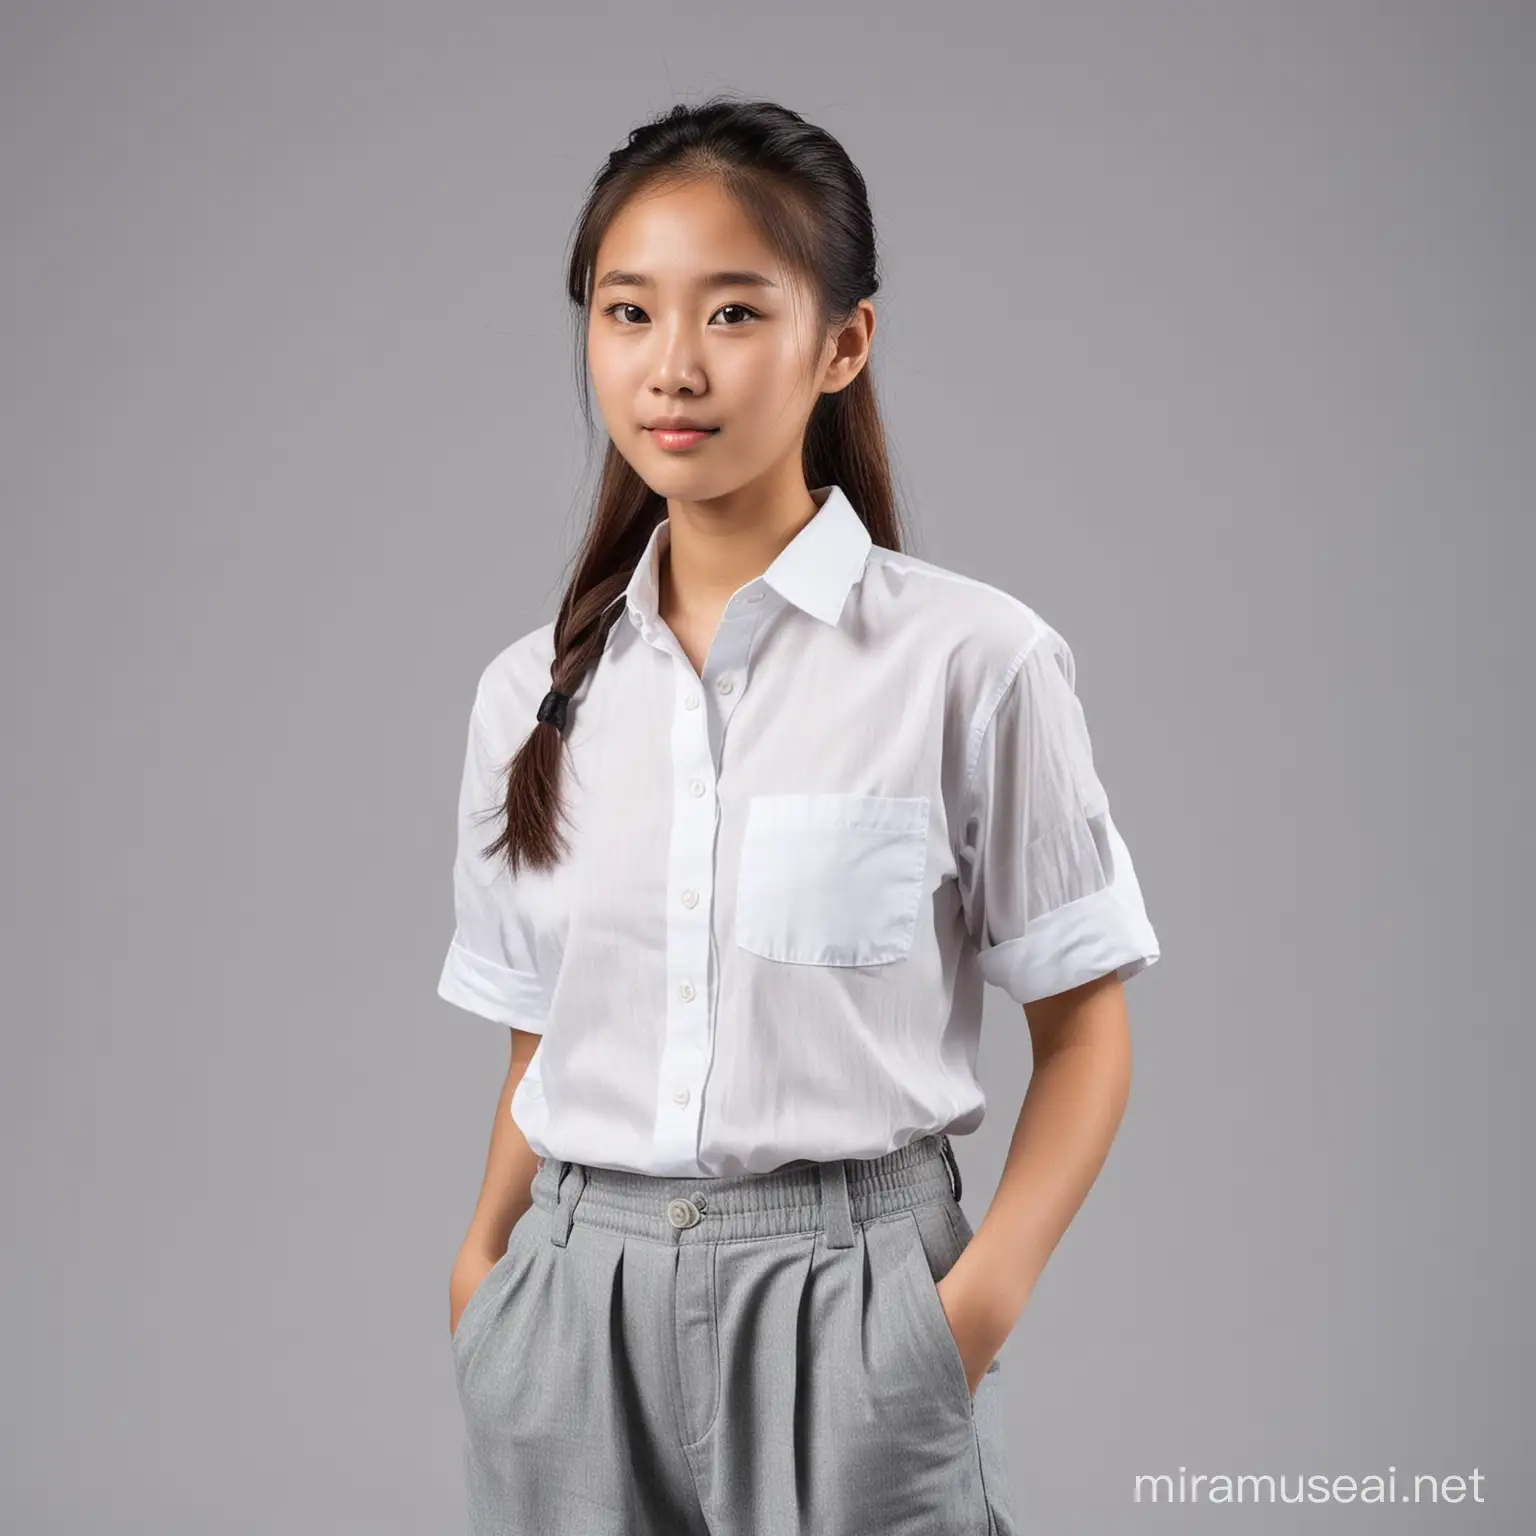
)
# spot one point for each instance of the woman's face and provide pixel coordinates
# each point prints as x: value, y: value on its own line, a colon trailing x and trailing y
x: 668, y: 337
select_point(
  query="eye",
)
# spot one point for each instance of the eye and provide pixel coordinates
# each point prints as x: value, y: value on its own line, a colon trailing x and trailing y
x: 612, y: 309
x: 621, y: 305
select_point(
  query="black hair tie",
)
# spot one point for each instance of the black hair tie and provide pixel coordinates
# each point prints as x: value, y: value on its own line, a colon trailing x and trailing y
x: 552, y: 710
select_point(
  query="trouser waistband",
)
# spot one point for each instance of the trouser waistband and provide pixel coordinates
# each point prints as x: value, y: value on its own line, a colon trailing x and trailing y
x: 801, y: 1197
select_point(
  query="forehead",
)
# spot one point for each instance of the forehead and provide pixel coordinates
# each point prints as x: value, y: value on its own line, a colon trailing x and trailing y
x: 676, y: 234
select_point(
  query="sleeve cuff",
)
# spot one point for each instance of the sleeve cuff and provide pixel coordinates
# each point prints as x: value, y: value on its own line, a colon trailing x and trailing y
x: 1107, y: 931
x: 470, y: 981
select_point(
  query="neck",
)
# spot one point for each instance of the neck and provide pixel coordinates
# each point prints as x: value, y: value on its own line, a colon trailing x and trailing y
x: 713, y: 548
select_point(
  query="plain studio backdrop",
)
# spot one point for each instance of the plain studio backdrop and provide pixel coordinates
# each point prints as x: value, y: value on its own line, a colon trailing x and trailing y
x: 1207, y: 331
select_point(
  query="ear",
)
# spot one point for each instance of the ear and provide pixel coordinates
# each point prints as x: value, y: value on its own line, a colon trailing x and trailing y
x: 851, y: 349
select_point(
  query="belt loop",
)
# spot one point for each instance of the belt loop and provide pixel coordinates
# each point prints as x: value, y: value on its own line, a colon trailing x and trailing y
x: 565, y: 1204
x: 954, y: 1164
x: 836, y: 1208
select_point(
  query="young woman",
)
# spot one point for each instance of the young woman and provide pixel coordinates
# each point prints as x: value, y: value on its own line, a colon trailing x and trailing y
x: 774, y: 801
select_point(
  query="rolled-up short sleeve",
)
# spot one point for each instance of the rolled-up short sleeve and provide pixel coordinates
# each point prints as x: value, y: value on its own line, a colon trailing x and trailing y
x: 1050, y: 895
x: 491, y: 967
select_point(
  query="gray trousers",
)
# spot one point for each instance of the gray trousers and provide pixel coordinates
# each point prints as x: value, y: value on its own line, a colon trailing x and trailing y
x: 752, y: 1355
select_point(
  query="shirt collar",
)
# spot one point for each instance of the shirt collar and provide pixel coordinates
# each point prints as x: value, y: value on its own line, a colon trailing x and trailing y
x: 815, y: 570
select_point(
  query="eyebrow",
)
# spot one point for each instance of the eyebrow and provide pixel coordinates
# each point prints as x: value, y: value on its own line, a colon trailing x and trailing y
x: 743, y: 279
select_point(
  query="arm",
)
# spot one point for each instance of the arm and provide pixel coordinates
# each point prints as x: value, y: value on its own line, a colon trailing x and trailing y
x: 1071, y: 1112
x: 504, y: 1195
x: 1054, y: 908
x: 491, y: 969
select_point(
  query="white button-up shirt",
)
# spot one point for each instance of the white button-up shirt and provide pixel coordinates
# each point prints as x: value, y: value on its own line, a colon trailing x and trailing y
x: 789, y: 877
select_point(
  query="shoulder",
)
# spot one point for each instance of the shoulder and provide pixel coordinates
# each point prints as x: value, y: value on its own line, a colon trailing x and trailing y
x: 986, y: 631
x: 513, y: 682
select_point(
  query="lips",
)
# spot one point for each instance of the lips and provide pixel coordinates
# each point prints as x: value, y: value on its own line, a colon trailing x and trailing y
x: 674, y: 439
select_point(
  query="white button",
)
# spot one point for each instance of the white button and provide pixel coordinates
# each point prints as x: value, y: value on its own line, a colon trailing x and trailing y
x: 681, y: 1096
x: 696, y: 788
x: 690, y: 897
x: 755, y: 597
x: 687, y: 991
x: 683, y: 1213
x: 726, y: 685
x: 691, y: 702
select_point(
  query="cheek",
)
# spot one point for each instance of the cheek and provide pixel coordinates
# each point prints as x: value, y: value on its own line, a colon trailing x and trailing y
x: 600, y: 361
x: 609, y: 371
x: 760, y: 379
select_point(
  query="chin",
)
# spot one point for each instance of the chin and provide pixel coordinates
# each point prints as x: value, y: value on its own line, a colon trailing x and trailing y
x: 681, y: 480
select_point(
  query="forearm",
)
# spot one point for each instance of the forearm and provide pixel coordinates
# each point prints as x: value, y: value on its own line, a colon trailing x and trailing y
x: 1070, y: 1115
x: 510, y: 1165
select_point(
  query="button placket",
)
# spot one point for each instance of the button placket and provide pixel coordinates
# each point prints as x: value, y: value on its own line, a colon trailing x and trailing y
x: 685, y: 1050
x: 702, y: 707
x: 725, y: 678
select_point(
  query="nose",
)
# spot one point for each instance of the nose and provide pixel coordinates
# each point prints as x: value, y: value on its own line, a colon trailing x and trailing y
x: 678, y: 363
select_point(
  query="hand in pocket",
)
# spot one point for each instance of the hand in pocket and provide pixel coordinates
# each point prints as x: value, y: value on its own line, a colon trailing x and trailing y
x: 469, y: 1272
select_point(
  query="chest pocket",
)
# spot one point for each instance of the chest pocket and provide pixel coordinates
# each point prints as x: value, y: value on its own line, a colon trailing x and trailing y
x: 831, y: 879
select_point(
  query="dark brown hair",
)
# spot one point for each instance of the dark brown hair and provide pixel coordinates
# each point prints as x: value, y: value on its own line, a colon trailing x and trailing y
x: 797, y: 184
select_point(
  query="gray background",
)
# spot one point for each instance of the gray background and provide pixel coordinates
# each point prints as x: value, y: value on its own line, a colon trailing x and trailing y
x: 1203, y: 333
